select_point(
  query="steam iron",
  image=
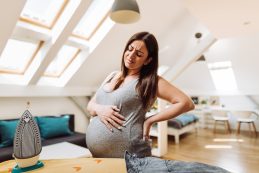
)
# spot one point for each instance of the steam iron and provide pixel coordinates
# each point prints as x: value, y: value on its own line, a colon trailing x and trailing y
x: 27, y: 144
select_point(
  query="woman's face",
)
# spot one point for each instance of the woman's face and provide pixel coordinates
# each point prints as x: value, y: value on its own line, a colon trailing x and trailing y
x: 136, y: 56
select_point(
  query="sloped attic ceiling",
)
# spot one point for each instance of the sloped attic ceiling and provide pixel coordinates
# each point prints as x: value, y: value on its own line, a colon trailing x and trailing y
x: 173, y: 22
x: 226, y: 18
x: 242, y: 52
x: 169, y: 21
x: 237, y: 42
x: 38, y: 33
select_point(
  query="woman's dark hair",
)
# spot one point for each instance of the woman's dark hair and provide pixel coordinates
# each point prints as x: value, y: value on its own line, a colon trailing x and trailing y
x: 147, y: 84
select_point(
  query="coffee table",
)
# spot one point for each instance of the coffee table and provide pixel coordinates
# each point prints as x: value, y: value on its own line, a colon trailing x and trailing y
x: 63, y: 150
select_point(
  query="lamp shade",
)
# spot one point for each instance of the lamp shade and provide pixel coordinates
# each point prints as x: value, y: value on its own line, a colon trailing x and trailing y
x: 125, y: 11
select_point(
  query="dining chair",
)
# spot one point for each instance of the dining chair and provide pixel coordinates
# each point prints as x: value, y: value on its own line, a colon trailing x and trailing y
x: 221, y: 116
x: 248, y: 117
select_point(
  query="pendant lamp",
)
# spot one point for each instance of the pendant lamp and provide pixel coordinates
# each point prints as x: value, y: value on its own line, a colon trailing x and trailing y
x: 125, y: 11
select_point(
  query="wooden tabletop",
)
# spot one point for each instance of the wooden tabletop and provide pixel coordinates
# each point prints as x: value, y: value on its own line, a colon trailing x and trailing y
x: 79, y: 165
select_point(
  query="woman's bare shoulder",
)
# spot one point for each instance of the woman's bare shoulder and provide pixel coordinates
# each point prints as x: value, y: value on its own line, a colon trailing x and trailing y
x: 161, y: 79
x: 112, y: 76
x: 164, y: 84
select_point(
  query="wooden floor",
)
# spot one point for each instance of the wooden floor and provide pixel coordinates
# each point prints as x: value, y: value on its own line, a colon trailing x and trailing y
x: 236, y: 153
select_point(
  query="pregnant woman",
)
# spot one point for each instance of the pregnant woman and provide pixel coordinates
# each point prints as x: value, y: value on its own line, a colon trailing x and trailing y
x: 120, y: 104
x: 119, y: 127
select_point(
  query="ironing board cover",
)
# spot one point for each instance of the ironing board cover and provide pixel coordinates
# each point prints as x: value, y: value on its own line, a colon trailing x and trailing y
x: 27, y: 140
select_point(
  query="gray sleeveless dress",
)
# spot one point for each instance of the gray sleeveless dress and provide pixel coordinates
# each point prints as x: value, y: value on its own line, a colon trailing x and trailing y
x: 104, y: 143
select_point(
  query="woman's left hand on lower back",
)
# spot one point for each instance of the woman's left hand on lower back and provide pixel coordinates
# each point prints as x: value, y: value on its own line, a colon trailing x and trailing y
x: 146, y: 128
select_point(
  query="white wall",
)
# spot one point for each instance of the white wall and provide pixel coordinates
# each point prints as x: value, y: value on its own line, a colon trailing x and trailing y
x: 232, y: 103
x: 15, y: 106
x: 237, y: 102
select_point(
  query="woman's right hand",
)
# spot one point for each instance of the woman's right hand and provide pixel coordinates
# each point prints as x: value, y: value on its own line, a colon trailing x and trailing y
x: 109, y: 115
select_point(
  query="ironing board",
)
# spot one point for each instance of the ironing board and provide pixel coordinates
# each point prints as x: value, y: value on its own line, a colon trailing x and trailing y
x: 79, y: 165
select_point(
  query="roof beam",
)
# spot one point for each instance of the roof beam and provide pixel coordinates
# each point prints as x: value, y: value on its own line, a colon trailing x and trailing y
x: 253, y: 100
x: 9, y: 14
x: 43, y: 91
x: 189, y: 57
x: 25, y: 30
x: 51, y: 48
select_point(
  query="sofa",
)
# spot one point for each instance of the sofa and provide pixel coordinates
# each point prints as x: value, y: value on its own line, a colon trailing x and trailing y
x: 74, y: 137
x: 182, y: 124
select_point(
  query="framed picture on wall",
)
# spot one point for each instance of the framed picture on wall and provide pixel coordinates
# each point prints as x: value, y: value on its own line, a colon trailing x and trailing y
x: 195, y: 100
x: 214, y: 100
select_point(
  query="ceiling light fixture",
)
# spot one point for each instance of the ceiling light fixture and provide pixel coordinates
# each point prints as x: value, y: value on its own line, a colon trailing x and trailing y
x: 202, y: 58
x: 125, y: 11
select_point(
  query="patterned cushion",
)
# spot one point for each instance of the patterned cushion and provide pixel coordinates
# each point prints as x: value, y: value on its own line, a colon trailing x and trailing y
x: 182, y: 120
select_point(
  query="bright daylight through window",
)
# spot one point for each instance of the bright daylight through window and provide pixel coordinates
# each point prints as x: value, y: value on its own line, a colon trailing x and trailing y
x: 223, y: 75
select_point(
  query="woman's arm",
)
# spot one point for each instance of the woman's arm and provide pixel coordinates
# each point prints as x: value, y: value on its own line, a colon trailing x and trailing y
x: 180, y: 103
x: 92, y: 106
x: 108, y: 114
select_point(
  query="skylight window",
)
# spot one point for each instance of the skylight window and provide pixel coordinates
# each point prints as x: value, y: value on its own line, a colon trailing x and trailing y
x: 64, y: 58
x: 222, y: 75
x: 17, y: 56
x: 43, y: 13
x: 93, y: 18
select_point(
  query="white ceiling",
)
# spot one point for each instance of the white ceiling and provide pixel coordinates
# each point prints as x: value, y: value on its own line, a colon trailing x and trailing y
x: 227, y: 18
x: 235, y: 24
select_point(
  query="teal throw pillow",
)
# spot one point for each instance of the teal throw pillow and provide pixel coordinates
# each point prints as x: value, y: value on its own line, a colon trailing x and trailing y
x: 51, y: 127
x: 187, y: 118
x: 7, y: 131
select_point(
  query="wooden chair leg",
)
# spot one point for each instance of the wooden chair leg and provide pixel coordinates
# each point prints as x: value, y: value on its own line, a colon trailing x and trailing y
x: 253, y: 124
x: 226, y: 126
x: 229, y: 129
x: 238, y: 127
x: 250, y: 129
x: 215, y: 122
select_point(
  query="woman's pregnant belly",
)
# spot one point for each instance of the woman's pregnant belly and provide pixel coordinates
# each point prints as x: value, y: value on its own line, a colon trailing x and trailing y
x: 104, y: 143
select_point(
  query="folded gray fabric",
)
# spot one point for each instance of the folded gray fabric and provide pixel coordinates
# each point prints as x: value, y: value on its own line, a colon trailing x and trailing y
x: 157, y: 165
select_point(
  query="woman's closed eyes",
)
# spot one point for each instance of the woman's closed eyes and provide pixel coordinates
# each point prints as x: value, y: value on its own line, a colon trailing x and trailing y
x: 139, y: 53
